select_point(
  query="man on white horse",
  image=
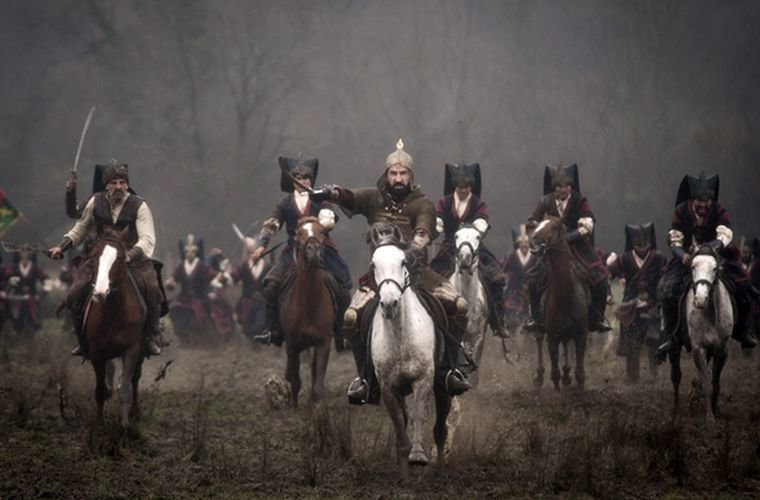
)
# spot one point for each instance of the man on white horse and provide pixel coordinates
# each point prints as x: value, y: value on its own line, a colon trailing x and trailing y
x: 118, y: 207
x: 397, y: 200
x: 563, y: 199
x: 461, y: 204
x: 699, y: 219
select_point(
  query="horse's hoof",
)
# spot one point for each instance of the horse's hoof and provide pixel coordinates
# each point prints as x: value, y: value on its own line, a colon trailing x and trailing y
x: 418, y: 458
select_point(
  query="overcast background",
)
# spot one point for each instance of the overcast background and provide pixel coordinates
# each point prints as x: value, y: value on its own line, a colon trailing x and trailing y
x: 200, y: 98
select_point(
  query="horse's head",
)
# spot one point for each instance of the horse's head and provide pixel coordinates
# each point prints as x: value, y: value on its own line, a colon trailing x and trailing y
x: 467, y: 241
x: 704, y: 271
x: 549, y: 233
x: 109, y: 256
x: 392, y: 277
x: 310, y: 240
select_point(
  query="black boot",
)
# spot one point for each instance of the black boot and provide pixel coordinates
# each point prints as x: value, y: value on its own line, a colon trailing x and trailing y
x: 153, y: 334
x: 343, y: 297
x: 77, y: 318
x: 668, y: 332
x: 742, y: 331
x: 534, y: 324
x: 272, y: 333
x: 597, y: 321
x: 358, y: 390
x: 454, y: 379
x: 497, y: 311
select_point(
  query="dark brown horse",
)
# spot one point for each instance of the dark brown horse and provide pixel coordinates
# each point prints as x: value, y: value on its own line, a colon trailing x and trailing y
x: 565, y: 311
x: 114, y: 323
x: 306, y: 310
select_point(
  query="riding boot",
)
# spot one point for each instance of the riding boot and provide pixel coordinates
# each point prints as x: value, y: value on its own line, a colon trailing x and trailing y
x: 272, y: 333
x: 668, y: 332
x: 597, y: 321
x: 77, y: 318
x: 358, y: 390
x: 153, y: 335
x: 742, y: 331
x: 454, y: 364
x: 534, y: 323
x: 497, y: 314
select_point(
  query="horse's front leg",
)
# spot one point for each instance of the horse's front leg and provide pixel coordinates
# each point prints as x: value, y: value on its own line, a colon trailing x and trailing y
x: 397, y: 411
x: 441, y: 429
x: 101, y: 390
x: 320, y: 357
x: 675, y: 377
x: 718, y: 363
x: 566, y: 368
x: 292, y: 374
x: 134, y: 411
x: 553, y: 344
x: 129, y: 363
x: 700, y: 360
x: 580, y: 358
x: 418, y: 415
x: 538, y: 381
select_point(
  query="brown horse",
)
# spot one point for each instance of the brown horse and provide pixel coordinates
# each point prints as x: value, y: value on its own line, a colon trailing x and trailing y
x: 114, y: 323
x: 306, y: 310
x: 567, y: 299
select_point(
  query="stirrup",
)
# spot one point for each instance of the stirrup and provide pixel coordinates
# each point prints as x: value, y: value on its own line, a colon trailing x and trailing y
x: 358, y: 391
x: 151, y: 347
x: 264, y: 338
x: 456, y: 383
x: 77, y: 351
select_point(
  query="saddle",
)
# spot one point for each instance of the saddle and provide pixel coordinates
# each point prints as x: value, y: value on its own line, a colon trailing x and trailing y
x: 440, y: 319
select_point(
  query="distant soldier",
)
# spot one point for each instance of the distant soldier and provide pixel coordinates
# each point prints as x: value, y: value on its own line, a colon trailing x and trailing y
x: 517, y: 264
x: 189, y: 310
x: 639, y: 268
x: 251, y: 308
x: 220, y: 309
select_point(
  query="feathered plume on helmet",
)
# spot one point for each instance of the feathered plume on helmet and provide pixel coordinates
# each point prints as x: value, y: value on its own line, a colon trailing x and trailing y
x: 399, y: 157
x: 640, y: 235
x: 297, y: 166
x: 698, y: 188
x: 456, y: 175
x: 561, y: 176
x: 520, y: 235
x: 191, y: 243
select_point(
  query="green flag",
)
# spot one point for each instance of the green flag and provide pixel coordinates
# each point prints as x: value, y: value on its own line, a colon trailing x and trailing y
x: 8, y: 213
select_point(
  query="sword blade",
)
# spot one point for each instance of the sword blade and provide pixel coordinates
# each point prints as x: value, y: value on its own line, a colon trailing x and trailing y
x: 21, y: 247
x: 238, y: 232
x: 81, y: 141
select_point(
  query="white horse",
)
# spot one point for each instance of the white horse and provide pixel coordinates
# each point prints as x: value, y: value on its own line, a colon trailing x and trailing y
x: 403, y: 346
x: 467, y: 281
x: 709, y: 320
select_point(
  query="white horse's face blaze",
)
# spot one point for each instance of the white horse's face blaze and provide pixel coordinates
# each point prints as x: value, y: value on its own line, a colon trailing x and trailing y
x: 467, y: 241
x: 539, y: 239
x: 102, y: 280
x: 704, y: 269
x: 391, y: 276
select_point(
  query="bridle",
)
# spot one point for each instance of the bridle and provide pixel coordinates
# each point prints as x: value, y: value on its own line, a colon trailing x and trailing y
x: 475, y: 255
x: 407, y: 278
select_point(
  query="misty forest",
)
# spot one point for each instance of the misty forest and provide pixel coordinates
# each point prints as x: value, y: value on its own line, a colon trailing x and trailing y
x: 200, y: 98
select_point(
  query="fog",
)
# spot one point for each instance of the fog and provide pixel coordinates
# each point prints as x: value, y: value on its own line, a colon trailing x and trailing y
x: 200, y: 98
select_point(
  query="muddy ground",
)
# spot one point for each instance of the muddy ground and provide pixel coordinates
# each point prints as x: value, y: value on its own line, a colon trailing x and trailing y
x: 210, y: 429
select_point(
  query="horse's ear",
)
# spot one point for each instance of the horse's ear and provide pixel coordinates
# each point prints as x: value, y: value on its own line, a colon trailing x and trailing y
x: 124, y: 233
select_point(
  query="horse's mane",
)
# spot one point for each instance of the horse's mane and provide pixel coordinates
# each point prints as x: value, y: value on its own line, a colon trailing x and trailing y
x: 706, y: 250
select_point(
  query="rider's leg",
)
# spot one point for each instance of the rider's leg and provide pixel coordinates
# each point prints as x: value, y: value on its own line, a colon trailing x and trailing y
x: 145, y: 272
x: 497, y: 309
x: 76, y: 299
x: 358, y: 390
x: 455, y: 380
x: 742, y: 331
x: 669, y: 334
x: 272, y: 333
x: 597, y: 321
x: 343, y: 298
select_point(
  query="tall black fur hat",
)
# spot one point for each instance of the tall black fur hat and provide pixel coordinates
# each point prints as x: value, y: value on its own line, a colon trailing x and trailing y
x: 640, y: 234
x: 293, y: 166
x: 455, y: 175
x: 561, y: 175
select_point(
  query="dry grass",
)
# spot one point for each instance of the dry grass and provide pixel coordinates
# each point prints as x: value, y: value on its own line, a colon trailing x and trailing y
x: 208, y: 429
